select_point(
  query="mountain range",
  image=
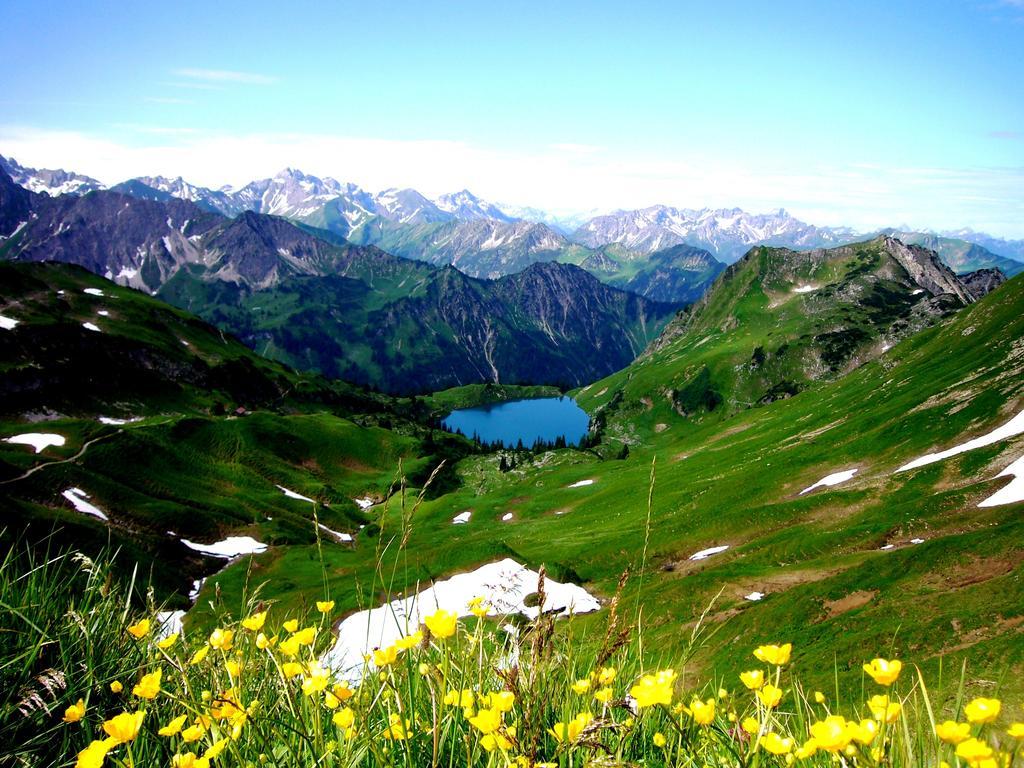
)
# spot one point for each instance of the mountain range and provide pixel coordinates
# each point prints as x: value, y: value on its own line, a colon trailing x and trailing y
x: 313, y: 300
x: 485, y: 239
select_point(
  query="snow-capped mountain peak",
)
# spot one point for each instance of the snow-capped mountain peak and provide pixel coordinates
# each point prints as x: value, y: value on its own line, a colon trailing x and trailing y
x: 49, y: 181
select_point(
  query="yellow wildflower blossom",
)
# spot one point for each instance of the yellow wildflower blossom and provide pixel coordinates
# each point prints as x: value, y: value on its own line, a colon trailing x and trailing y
x: 570, y: 732
x: 1016, y: 731
x: 884, y: 672
x: 75, y: 712
x: 199, y: 655
x: 753, y: 679
x: 167, y: 642
x: 769, y: 695
x: 305, y: 636
x: 140, y: 629
x: 777, y: 745
x: 581, y: 686
x: 255, y: 622
x: 149, y: 685
x: 486, y: 720
x: 344, y: 718
x: 702, y: 712
x: 174, y: 727
x: 124, y: 727
x: 409, y: 641
x: 606, y: 676
x: 116, y: 686
x: 478, y: 607
x: 222, y: 639
x: 325, y: 606
x: 974, y: 751
x: 659, y: 739
x: 384, y: 656
x: 953, y: 732
x: 654, y: 689
x: 94, y: 755
x: 884, y: 709
x: 750, y: 725
x: 774, y: 654
x: 982, y: 710
x: 831, y: 734
x: 604, y: 695
x: 441, y: 623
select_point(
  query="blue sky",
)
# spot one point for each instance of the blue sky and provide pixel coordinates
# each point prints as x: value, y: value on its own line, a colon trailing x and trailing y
x: 865, y: 113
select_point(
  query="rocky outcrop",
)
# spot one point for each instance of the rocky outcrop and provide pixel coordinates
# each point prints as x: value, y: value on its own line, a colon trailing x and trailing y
x: 981, y: 282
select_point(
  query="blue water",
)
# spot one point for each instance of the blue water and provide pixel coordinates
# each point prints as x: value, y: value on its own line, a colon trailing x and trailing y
x: 547, y: 418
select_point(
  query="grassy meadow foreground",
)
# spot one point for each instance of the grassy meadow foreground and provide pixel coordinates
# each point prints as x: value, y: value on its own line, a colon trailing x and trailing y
x: 97, y: 682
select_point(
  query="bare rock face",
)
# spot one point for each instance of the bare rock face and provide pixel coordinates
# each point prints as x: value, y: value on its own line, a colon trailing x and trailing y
x: 925, y: 268
x: 981, y: 282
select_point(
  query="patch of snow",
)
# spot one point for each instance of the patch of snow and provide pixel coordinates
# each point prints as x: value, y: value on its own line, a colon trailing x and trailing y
x: 116, y: 422
x: 1013, y: 492
x: 462, y: 517
x: 916, y: 291
x: 103, y: 313
x: 364, y: 503
x: 38, y: 440
x: 804, y: 289
x: 91, y: 327
x: 169, y: 623
x: 504, y: 585
x: 506, y: 517
x: 706, y: 553
x: 917, y: 541
x: 93, y: 291
x: 336, y: 534
x: 7, y: 323
x: 754, y: 596
x: 580, y: 483
x: 197, y: 587
x: 78, y: 499
x: 231, y: 547
x: 60, y: 293
x: 888, y: 546
x: 834, y: 479
x: 294, y: 495
x: 1014, y: 426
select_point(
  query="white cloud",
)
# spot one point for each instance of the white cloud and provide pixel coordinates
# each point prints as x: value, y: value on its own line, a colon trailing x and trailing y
x: 224, y: 76
x: 862, y: 194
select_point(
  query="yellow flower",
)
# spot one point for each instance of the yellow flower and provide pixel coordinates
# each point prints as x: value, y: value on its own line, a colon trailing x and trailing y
x: 441, y: 623
x: 463, y: 698
x: 569, y: 732
x: 342, y: 691
x: 222, y: 639
x: 493, y: 741
x: 291, y: 669
x: 1016, y: 731
x: 884, y: 672
x: 233, y: 666
x: 974, y: 751
x: 344, y: 718
x: 884, y: 709
x: 193, y: 733
x: 654, y: 689
x: 290, y: 646
x: 776, y: 744
x: 982, y: 710
x: 398, y: 729
x: 167, y: 642
x: 774, y: 654
x: 409, y: 641
x: 806, y: 750
x: 140, y: 629
x: 174, y: 727
x: 953, y: 732
x: 305, y: 636
x: 604, y: 695
x: 124, y: 727
x: 316, y: 680
x: 819, y: 697
x: 189, y: 760
x: 659, y: 739
x: 94, y: 755
x: 75, y: 712
x: 149, y: 685
x: 606, y: 676
x: 291, y: 625
x: 703, y: 713
x: 384, y: 656
x: 581, y: 686
x: 502, y: 701
x: 263, y: 642
x: 331, y: 701
x: 753, y: 679
x: 486, y: 720
x: 199, y: 655
x: 215, y: 749
x: 116, y: 687
x: 864, y: 731
x: 769, y: 695
x: 831, y: 734
x: 750, y: 725
x: 325, y: 606
x: 255, y: 622
x: 478, y: 607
